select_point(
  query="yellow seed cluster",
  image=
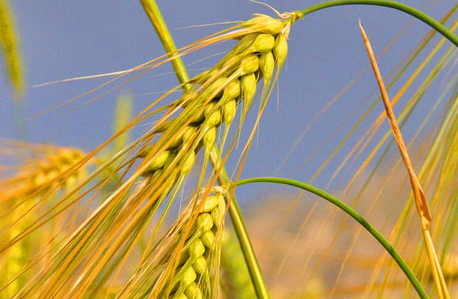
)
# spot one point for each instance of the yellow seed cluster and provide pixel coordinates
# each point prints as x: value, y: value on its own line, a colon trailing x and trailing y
x: 212, y: 100
x: 53, y: 165
x: 192, y: 276
x: 188, y: 271
x: 21, y: 199
x: 41, y: 174
x: 216, y: 94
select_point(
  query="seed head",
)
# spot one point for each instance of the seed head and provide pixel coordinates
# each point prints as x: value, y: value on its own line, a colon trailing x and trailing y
x: 209, y: 138
x: 199, y: 114
x: 204, y: 222
x: 219, y: 211
x: 214, y: 89
x: 267, y: 66
x: 249, y: 83
x: 264, y: 24
x: 200, y: 265
x: 163, y: 126
x: 231, y: 91
x: 280, y: 49
x: 229, y: 110
x: 193, y: 292
x: 189, y: 276
x: 196, y: 249
x: 188, y: 133
x: 208, y: 238
x: 158, y: 162
x: 188, y: 162
x: 243, y: 44
x: 178, y: 139
x: 213, y: 118
x: 249, y: 64
x: 179, y: 296
x: 210, y: 203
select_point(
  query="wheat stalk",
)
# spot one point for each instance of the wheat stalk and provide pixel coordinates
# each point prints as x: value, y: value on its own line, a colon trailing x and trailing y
x: 213, y: 99
x: 192, y: 262
x: 165, y: 156
x: 222, y: 89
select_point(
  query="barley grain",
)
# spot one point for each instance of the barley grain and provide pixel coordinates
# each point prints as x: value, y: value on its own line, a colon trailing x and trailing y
x: 198, y: 260
x: 214, y: 99
x: 166, y: 156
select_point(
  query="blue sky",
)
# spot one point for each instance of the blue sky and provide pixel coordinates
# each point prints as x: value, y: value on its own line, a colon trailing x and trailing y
x: 65, y: 39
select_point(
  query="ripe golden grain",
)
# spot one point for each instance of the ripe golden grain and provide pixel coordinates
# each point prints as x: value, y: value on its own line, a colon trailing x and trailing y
x: 212, y: 101
x: 198, y: 258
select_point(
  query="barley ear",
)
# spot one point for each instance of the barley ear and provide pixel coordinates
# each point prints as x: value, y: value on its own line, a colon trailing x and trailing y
x: 196, y: 275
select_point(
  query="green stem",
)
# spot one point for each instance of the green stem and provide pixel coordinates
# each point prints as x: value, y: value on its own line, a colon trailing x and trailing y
x: 155, y: 16
x: 242, y: 233
x: 396, y: 5
x: 355, y: 215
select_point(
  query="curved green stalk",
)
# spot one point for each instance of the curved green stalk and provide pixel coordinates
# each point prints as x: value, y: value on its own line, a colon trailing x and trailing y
x: 242, y: 233
x: 396, y: 5
x: 355, y: 215
x: 155, y: 16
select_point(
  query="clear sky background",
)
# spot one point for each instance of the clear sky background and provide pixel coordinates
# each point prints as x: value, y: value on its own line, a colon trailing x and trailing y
x: 65, y: 39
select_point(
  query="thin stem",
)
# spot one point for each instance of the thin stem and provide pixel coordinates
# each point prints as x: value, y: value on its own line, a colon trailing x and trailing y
x: 242, y: 233
x: 352, y: 213
x: 155, y: 16
x: 420, y: 197
x: 395, y: 5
